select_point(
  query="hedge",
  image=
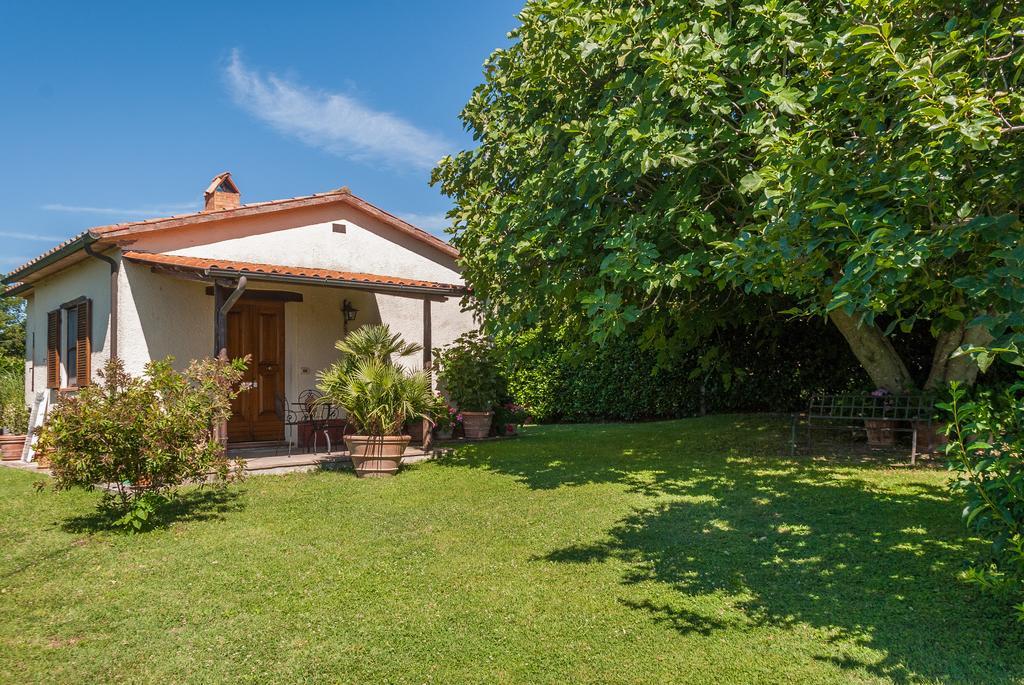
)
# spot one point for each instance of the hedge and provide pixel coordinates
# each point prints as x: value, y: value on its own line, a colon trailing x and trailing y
x: 774, y: 367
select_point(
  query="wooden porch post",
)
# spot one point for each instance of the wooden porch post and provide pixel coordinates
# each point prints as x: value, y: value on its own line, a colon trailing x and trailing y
x: 222, y: 304
x: 428, y: 435
x: 220, y: 431
x: 427, y: 354
x: 220, y: 322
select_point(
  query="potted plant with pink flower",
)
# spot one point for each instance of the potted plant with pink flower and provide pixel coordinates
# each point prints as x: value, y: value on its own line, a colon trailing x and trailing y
x: 446, y: 418
x: 509, y: 416
x: 468, y: 372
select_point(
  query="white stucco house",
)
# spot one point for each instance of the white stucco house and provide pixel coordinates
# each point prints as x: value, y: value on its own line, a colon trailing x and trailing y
x: 280, y: 280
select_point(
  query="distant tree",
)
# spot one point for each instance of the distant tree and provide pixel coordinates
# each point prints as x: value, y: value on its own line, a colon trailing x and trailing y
x: 12, y: 328
x: 640, y: 164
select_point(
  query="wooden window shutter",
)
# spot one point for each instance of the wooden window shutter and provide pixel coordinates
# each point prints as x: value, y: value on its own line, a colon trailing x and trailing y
x: 53, y: 349
x: 83, y: 348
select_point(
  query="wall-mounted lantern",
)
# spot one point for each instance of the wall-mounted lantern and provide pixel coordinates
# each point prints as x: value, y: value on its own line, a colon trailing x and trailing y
x: 348, y: 310
x: 348, y: 313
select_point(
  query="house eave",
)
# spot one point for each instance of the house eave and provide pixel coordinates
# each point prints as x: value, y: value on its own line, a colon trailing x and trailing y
x: 349, y: 285
x: 16, y: 289
x: 24, y: 275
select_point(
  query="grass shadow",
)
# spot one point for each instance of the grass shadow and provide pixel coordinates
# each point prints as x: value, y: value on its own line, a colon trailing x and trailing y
x: 840, y: 545
x: 193, y: 505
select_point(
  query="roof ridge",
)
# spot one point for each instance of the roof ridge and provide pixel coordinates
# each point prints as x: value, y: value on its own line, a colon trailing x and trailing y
x: 111, y: 231
x: 109, y: 228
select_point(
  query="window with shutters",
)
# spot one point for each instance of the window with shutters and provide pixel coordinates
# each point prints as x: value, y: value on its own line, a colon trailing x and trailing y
x: 53, y: 349
x: 83, y: 343
x: 77, y: 344
x: 71, y: 347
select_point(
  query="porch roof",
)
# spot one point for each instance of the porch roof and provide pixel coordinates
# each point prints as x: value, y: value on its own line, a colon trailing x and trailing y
x: 212, y: 268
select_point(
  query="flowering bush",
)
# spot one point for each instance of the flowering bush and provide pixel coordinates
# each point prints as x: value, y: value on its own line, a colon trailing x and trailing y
x: 141, y: 438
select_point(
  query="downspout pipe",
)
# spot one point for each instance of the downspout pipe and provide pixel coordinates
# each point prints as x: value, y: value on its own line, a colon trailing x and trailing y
x: 233, y: 297
x: 114, y: 268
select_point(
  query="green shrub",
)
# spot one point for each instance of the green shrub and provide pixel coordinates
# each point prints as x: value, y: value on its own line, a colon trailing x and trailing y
x: 986, y: 451
x: 14, y: 414
x: 767, y: 366
x: 469, y: 371
x: 12, y: 365
x: 141, y: 438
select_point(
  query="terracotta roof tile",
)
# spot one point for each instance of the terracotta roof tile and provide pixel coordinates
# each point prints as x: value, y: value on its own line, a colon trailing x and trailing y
x: 52, y: 250
x: 256, y: 269
x: 108, y: 235
x: 340, y: 195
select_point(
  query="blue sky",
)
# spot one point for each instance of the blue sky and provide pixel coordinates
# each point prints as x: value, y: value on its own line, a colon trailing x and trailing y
x: 117, y: 111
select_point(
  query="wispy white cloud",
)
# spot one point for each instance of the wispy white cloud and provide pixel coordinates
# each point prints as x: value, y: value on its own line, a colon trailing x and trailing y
x: 435, y: 223
x: 334, y: 122
x: 154, y: 211
x: 21, y: 235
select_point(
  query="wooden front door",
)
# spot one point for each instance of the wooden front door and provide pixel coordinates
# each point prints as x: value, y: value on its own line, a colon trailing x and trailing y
x: 256, y: 328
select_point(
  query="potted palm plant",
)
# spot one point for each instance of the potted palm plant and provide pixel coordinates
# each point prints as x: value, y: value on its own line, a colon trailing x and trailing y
x: 468, y: 369
x: 378, y: 395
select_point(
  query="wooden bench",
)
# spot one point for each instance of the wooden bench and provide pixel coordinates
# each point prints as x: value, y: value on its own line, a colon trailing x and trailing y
x: 880, y: 417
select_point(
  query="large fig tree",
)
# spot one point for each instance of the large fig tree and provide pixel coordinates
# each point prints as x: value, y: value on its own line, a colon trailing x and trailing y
x: 646, y: 164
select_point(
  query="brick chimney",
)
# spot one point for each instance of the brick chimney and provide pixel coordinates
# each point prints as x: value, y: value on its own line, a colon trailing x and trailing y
x: 222, y: 193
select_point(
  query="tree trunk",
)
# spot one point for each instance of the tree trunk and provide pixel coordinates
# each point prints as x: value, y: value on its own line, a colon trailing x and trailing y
x: 874, y: 351
x: 963, y: 368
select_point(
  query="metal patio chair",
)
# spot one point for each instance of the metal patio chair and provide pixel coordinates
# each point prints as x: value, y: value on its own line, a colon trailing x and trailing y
x: 311, y: 410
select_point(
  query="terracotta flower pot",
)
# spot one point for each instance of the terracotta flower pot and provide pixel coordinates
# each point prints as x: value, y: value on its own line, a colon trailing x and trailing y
x: 11, y: 447
x: 931, y: 437
x: 42, y: 460
x: 376, y: 456
x: 477, y: 424
x: 880, y: 433
x: 415, y: 431
x: 443, y: 433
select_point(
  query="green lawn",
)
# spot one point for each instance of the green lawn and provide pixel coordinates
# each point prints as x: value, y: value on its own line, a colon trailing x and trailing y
x: 684, y: 551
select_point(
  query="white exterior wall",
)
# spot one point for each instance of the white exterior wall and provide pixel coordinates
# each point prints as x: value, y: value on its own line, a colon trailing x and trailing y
x: 160, y: 315
x: 405, y: 316
x: 305, y: 237
x: 89, y: 278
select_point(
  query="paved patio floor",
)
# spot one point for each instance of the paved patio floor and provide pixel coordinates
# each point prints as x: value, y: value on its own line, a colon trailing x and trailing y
x: 276, y: 460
